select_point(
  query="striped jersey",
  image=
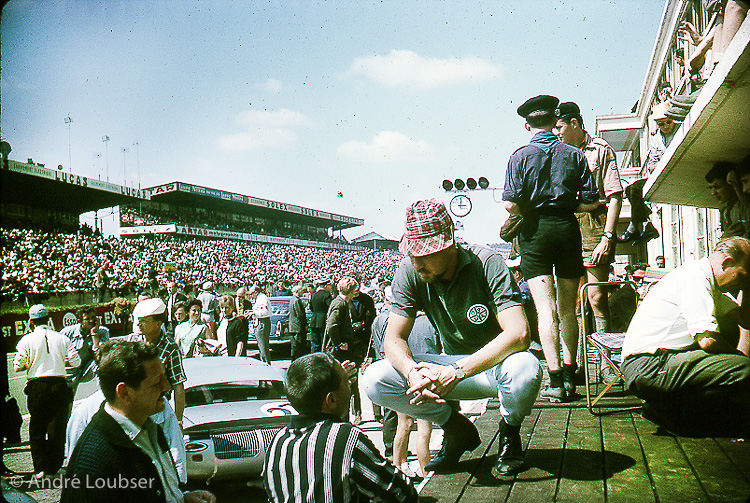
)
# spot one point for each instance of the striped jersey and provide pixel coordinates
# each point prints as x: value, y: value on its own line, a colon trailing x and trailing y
x: 321, y: 459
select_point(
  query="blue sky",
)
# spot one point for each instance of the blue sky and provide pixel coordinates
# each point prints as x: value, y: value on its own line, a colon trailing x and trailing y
x: 297, y: 101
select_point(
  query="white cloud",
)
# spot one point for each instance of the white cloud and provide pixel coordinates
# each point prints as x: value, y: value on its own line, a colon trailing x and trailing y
x: 257, y: 139
x: 282, y: 118
x: 264, y: 129
x: 408, y: 69
x: 271, y: 86
x: 387, y: 146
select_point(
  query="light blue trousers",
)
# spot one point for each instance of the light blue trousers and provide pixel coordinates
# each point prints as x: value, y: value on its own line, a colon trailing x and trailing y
x: 515, y: 381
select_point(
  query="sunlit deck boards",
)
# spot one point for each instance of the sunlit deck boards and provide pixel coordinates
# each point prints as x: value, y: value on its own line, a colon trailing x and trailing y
x: 573, y: 456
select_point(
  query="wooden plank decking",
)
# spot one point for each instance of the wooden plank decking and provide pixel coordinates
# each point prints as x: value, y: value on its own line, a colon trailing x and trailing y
x: 574, y: 456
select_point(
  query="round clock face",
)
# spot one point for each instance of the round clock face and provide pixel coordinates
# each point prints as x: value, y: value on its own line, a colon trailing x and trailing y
x: 460, y: 205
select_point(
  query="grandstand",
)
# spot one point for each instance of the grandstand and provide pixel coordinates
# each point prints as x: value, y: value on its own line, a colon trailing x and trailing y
x: 36, y: 197
x: 183, y: 209
x: 377, y: 241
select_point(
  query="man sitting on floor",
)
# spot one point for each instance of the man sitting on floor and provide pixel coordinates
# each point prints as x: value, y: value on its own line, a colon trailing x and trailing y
x: 686, y: 349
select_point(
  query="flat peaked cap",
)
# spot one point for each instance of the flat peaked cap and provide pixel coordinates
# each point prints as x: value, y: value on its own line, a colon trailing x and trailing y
x: 542, y: 102
x: 567, y: 109
x: 659, y: 112
x: 38, y: 311
x: 149, y: 307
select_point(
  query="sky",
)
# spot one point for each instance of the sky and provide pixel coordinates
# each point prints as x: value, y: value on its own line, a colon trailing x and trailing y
x: 357, y: 108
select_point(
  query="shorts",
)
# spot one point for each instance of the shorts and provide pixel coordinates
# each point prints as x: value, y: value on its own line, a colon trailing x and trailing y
x: 592, y: 230
x: 551, y: 243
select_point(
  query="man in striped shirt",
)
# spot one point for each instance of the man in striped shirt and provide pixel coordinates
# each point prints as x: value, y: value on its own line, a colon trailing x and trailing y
x: 151, y: 316
x: 319, y: 457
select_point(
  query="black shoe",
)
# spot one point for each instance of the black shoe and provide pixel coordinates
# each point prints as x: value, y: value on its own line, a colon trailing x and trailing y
x: 510, y: 452
x: 627, y: 236
x: 7, y: 472
x: 648, y: 234
x: 569, y: 379
x: 459, y: 435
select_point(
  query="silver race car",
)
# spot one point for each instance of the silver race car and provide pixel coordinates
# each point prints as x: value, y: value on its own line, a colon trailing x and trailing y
x: 233, y: 408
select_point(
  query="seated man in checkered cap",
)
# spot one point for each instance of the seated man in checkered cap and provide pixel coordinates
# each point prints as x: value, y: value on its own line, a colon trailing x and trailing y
x: 469, y: 295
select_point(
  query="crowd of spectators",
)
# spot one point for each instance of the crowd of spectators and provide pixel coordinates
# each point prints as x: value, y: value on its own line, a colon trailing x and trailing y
x: 35, y: 262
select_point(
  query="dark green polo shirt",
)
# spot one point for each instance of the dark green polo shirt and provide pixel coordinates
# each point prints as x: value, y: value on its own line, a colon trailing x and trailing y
x: 464, y: 310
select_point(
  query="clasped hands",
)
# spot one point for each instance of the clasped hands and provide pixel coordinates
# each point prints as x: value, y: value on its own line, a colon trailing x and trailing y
x: 430, y: 382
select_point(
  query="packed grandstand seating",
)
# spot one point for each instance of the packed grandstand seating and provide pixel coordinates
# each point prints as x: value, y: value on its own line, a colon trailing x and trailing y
x: 131, y: 216
x: 38, y: 262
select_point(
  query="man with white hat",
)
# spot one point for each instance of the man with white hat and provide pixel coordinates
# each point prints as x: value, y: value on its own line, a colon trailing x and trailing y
x: 151, y: 315
x: 662, y: 130
x: 469, y: 295
x: 43, y: 354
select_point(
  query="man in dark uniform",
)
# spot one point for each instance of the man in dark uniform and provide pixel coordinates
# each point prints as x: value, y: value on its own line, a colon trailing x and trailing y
x: 319, y: 303
x: 546, y: 182
x: 297, y: 323
x: 362, y: 313
x: 598, y: 227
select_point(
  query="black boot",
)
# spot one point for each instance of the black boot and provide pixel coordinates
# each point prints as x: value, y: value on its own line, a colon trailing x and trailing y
x: 459, y: 435
x: 569, y: 378
x: 510, y: 452
x: 647, y: 235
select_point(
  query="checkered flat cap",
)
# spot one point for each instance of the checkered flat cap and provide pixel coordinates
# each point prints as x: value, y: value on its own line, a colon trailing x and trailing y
x: 428, y: 229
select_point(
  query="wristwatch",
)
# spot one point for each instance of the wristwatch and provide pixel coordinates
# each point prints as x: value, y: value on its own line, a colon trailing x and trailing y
x: 609, y: 235
x: 460, y: 373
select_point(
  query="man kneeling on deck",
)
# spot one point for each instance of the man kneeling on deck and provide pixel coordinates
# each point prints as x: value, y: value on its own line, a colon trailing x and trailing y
x: 686, y: 349
x: 471, y: 298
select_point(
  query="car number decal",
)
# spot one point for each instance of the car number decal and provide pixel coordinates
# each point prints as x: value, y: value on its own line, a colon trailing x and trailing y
x: 278, y: 409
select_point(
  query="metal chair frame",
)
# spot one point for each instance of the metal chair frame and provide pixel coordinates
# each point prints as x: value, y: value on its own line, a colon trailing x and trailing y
x: 601, y: 348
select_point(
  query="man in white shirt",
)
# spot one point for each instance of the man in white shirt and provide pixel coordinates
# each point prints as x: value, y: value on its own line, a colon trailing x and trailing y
x: 261, y: 322
x: 686, y: 349
x: 43, y: 354
x: 122, y: 455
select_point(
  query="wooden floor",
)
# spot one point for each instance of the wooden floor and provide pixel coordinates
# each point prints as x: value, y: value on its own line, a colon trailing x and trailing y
x: 574, y: 456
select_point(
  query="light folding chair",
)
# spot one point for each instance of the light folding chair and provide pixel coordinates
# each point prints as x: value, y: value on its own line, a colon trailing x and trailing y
x: 607, y: 347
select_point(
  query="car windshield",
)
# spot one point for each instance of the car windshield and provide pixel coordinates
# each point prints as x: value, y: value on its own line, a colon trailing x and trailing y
x: 234, y: 392
x: 280, y: 308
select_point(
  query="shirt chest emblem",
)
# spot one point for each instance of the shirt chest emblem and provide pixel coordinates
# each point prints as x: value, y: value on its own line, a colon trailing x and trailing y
x: 477, y: 314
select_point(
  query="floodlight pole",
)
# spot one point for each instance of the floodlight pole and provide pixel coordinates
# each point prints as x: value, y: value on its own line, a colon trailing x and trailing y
x: 138, y: 163
x: 105, y: 139
x: 124, y: 175
x: 69, y: 121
